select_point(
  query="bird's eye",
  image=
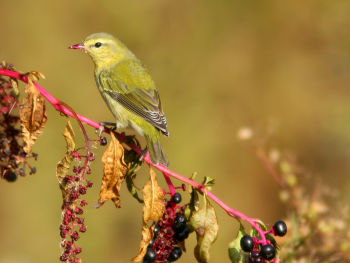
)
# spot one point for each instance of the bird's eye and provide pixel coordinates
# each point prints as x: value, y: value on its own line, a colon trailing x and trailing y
x: 98, y: 44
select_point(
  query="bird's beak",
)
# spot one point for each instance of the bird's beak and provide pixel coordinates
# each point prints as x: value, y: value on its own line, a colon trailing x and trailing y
x: 78, y: 46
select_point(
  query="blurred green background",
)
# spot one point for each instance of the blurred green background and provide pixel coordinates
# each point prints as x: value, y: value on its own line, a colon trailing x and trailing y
x: 218, y: 65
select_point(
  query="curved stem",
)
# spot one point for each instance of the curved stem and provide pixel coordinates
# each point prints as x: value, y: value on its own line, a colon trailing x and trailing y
x: 58, y: 105
x: 53, y: 101
x: 170, y: 184
x: 86, y: 138
x: 230, y: 211
x: 260, y: 153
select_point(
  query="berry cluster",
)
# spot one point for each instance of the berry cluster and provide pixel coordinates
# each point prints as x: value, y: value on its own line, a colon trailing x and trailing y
x: 13, y: 159
x: 170, y: 230
x: 267, y: 251
x: 72, y: 209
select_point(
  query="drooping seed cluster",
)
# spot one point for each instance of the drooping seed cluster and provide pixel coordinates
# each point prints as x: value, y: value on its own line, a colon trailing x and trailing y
x: 75, y: 187
x: 169, y: 232
x: 13, y: 159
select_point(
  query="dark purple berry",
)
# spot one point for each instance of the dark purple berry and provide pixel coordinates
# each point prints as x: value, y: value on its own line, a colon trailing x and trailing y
x: 150, y: 244
x: 10, y: 176
x: 255, y: 257
x: 268, y: 252
x: 247, y: 243
x: 175, y: 254
x: 103, y: 141
x: 176, y: 198
x: 183, y: 234
x: 179, y: 222
x: 280, y: 228
x: 150, y: 256
x: 156, y: 230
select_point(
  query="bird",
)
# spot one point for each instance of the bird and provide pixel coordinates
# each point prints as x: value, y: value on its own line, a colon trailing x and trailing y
x: 128, y: 90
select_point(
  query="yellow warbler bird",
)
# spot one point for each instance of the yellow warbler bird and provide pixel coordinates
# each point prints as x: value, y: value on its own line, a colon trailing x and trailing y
x: 128, y: 90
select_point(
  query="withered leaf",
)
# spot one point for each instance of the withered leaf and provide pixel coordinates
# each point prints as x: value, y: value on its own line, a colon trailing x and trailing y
x: 205, y: 223
x: 146, y: 238
x: 153, y: 197
x: 63, y: 166
x: 32, y: 114
x: 35, y: 75
x: 153, y: 209
x: 113, y: 173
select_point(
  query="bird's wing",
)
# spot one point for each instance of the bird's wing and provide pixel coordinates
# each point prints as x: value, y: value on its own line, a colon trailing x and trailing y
x: 129, y: 83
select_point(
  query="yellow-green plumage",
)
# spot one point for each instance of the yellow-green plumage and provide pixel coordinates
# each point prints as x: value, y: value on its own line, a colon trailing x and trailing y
x: 128, y: 90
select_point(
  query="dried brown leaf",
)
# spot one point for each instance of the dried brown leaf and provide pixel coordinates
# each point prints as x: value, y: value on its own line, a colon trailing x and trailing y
x: 32, y: 114
x: 153, y: 198
x: 146, y: 238
x: 153, y: 209
x: 35, y: 75
x: 63, y: 166
x: 113, y: 173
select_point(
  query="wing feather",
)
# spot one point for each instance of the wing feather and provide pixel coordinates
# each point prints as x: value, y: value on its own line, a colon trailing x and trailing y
x: 130, y: 85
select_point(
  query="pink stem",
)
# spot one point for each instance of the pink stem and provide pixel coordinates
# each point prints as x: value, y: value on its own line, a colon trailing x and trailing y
x: 232, y: 212
x: 56, y: 104
x: 170, y: 184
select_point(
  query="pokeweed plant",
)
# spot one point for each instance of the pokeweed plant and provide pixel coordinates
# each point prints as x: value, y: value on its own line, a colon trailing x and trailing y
x: 166, y: 222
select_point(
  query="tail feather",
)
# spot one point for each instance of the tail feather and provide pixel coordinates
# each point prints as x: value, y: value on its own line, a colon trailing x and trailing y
x: 156, y: 152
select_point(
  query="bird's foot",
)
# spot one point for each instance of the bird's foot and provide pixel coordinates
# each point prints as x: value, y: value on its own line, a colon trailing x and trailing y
x: 103, y: 124
x: 143, y: 154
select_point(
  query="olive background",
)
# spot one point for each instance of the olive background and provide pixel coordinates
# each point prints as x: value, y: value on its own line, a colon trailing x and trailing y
x: 219, y: 65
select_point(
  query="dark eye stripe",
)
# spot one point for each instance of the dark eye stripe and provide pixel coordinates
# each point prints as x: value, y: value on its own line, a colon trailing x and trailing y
x: 98, y: 44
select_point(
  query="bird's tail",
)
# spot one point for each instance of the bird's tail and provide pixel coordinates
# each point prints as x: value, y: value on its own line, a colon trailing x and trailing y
x: 155, y: 151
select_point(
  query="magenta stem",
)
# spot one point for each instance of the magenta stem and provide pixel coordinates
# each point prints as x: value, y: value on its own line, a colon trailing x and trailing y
x: 87, y: 141
x: 230, y: 211
x: 55, y: 102
x: 166, y: 172
x: 170, y: 184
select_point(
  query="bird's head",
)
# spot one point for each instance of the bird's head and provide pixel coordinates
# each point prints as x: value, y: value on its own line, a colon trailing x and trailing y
x: 104, y: 49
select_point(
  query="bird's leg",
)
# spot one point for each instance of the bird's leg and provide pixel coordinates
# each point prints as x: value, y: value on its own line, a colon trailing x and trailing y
x: 106, y: 123
x: 143, y: 154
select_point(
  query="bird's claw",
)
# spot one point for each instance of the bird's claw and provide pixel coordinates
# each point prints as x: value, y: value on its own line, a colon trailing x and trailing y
x: 143, y: 154
x: 103, y: 124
